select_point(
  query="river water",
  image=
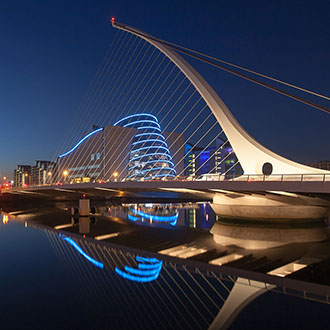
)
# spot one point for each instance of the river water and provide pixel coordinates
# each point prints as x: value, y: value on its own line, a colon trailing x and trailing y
x: 55, y: 275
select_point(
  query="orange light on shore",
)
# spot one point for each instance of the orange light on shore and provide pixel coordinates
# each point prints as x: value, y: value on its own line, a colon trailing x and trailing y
x: 112, y: 19
x: 5, y: 219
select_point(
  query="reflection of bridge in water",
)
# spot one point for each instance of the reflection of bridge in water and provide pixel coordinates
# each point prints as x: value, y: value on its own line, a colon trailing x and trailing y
x: 181, y: 296
x: 198, y: 282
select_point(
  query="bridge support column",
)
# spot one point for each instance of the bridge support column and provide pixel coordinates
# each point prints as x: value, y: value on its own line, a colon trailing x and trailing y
x: 84, y: 207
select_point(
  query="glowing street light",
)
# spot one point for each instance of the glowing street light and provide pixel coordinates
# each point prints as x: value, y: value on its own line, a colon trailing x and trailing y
x: 65, y: 173
x: 115, y: 175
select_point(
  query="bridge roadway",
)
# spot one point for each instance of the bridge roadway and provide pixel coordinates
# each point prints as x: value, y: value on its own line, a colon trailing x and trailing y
x: 202, y: 190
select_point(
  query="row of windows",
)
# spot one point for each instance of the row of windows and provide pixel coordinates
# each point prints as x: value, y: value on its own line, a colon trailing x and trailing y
x: 96, y: 156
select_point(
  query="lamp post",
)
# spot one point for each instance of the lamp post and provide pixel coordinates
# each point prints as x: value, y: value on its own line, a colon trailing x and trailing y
x: 115, y: 175
x: 65, y: 174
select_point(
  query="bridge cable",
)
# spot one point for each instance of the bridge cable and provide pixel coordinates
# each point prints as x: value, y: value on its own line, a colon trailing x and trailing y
x: 74, y: 160
x: 100, y: 106
x: 275, y: 89
x: 91, y: 88
x: 160, y: 98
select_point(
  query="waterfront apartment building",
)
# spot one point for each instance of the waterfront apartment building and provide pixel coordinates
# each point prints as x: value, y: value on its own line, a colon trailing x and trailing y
x: 42, y: 172
x: 22, y: 176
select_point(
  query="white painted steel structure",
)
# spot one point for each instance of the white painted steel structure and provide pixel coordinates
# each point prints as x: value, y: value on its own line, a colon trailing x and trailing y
x: 250, y: 153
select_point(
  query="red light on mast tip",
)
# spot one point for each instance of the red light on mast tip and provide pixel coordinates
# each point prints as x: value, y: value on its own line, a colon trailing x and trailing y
x: 112, y: 19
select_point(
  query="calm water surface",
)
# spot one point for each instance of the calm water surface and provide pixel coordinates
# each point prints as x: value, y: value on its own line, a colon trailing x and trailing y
x: 51, y: 280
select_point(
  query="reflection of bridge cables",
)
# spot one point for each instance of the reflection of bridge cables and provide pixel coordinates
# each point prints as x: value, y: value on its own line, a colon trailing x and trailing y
x: 199, y: 56
x: 148, y: 270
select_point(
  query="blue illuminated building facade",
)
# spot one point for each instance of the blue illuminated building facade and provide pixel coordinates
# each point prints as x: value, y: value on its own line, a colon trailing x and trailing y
x: 149, y: 156
x: 218, y: 158
x: 134, y: 148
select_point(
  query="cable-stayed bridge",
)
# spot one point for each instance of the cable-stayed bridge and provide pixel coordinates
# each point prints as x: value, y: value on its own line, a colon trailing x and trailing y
x: 157, y: 124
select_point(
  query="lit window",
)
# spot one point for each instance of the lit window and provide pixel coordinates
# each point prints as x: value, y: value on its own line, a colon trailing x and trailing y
x: 98, y: 155
x: 92, y: 157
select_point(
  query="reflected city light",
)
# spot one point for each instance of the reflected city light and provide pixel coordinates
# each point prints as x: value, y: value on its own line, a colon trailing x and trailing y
x: 148, y: 270
x: 152, y: 214
x: 79, y: 249
x: 5, y: 219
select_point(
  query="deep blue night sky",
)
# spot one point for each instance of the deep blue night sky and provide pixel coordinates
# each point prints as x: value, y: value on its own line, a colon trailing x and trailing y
x: 50, y: 51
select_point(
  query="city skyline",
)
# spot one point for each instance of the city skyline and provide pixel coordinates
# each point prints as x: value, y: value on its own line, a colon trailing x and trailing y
x: 47, y: 72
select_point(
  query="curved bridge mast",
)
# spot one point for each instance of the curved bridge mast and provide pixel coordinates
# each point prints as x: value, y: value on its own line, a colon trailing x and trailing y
x: 253, y: 157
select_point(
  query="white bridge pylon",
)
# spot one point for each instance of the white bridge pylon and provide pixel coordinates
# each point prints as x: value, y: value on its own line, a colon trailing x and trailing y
x: 253, y: 157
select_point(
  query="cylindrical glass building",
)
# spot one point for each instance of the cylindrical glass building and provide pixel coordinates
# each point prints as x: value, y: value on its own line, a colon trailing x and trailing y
x: 149, y: 156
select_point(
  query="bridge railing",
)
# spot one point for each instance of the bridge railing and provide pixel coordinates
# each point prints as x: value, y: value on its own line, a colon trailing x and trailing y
x: 259, y: 178
x: 303, y: 178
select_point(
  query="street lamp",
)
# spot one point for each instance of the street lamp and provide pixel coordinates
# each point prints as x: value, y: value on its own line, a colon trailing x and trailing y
x: 65, y: 174
x: 115, y: 174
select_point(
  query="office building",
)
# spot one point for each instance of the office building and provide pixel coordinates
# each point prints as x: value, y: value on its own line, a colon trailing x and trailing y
x: 134, y: 148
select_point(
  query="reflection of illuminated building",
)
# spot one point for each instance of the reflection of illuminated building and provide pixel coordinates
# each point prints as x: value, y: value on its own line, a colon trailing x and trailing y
x: 5, y: 219
x: 161, y: 214
x: 191, y: 218
x: 147, y: 270
x: 80, y: 250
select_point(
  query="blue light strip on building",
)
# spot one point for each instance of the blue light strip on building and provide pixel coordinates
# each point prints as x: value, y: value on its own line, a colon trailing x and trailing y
x: 141, y: 274
x: 143, y: 121
x: 146, y: 127
x: 149, y: 140
x: 79, y: 249
x: 152, y: 154
x: 151, y: 147
x: 152, y: 169
x: 157, y: 134
x: 159, y: 176
x: 153, y: 161
x: 137, y: 115
x: 81, y: 141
